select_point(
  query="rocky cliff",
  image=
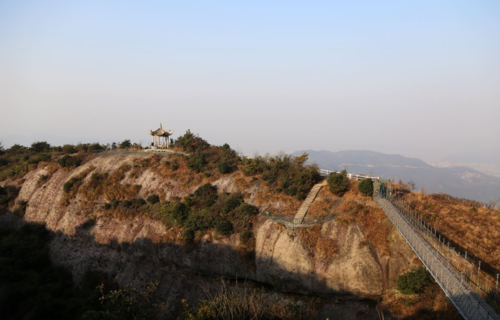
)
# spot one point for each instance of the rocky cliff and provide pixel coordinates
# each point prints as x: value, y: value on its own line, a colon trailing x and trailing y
x: 340, y: 257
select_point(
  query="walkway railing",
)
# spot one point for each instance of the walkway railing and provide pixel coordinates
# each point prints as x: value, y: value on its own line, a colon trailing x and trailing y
x: 451, y: 279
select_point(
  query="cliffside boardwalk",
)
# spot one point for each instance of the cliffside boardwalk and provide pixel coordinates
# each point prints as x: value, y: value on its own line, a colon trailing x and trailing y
x: 461, y: 294
x: 301, y: 213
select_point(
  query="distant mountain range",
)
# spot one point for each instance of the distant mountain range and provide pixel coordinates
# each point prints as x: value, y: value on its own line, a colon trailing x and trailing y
x: 457, y: 181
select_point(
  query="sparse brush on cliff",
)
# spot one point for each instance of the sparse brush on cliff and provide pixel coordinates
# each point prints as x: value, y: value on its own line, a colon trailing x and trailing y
x: 243, y: 302
x: 109, y: 186
x: 284, y: 173
x: 71, y: 186
x: 8, y: 195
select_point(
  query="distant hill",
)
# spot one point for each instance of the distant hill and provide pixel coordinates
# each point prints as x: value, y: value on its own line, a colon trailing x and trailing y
x: 456, y: 181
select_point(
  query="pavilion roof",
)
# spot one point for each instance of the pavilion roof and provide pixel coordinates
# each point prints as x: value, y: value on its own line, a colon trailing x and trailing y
x: 160, y: 132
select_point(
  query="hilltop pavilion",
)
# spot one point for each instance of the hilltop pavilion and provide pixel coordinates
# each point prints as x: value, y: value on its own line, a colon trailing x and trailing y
x: 160, y: 138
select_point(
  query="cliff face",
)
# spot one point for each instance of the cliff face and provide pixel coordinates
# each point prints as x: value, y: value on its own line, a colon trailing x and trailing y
x: 138, y: 249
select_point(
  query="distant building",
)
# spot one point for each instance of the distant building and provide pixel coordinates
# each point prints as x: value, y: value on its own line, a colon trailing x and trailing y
x: 160, y: 138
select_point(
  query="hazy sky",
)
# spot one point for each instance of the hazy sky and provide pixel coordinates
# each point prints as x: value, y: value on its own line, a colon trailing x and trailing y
x: 418, y: 78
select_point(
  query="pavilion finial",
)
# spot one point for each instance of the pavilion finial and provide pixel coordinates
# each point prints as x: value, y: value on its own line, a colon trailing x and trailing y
x: 160, y: 126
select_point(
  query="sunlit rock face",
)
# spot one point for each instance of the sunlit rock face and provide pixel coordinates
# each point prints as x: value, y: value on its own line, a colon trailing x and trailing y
x: 139, y: 249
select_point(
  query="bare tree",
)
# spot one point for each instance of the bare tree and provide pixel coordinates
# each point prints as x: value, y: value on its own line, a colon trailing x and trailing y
x: 412, y: 185
x: 492, y: 204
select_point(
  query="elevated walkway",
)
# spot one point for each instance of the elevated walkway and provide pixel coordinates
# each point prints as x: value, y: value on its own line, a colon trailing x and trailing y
x: 468, y: 303
x: 304, y: 207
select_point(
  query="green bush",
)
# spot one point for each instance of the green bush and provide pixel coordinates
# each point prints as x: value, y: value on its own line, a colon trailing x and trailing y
x: 223, y: 167
x: 152, y: 199
x: 68, y: 185
x: 174, y: 167
x: 69, y: 161
x: 40, y: 146
x: 191, y: 143
x: 69, y: 149
x: 232, y: 202
x: 204, y: 197
x: 125, y: 144
x: 35, y: 159
x: 248, y: 209
x: 197, y: 162
x: 246, y: 236
x: 301, y: 196
x: 188, y: 235
x: 127, y: 203
x: 224, y: 227
x: 338, y: 183
x: 366, y: 187
x: 414, y: 281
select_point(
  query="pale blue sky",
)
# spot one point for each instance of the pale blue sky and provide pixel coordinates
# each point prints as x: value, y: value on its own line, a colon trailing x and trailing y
x: 418, y: 78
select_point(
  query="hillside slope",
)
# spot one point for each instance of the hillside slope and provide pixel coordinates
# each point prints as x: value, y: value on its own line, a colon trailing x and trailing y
x: 136, y: 248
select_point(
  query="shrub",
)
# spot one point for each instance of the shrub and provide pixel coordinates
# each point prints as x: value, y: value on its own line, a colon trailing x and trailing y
x: 68, y: 185
x: 69, y: 149
x: 40, y: 146
x: 188, y: 235
x: 107, y: 206
x: 197, y: 162
x: 338, y: 183
x: 191, y: 143
x: 301, y: 196
x: 414, y: 281
x: 224, y: 227
x: 16, y: 149
x: 127, y: 203
x: 179, y: 212
x: 232, y: 202
x: 174, y: 167
x: 69, y: 161
x: 204, y: 197
x: 125, y: 144
x: 223, y: 167
x: 35, y: 159
x: 366, y: 187
x: 140, y: 202
x: 248, y: 209
x: 115, y: 203
x: 152, y: 199
x: 246, y: 236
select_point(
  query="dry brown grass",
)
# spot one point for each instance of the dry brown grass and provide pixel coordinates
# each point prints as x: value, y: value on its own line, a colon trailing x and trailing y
x: 431, y: 304
x: 317, y: 244
x: 243, y: 301
x: 323, y: 204
x: 186, y: 177
x: 241, y: 181
x: 276, y: 201
x: 109, y: 187
x: 372, y: 220
x: 79, y: 179
x: 477, y: 230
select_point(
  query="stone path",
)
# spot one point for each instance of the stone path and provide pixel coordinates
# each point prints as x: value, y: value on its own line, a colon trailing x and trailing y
x: 299, y: 217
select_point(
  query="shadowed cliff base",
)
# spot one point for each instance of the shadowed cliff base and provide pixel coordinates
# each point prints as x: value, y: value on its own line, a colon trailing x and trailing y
x: 142, y: 260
